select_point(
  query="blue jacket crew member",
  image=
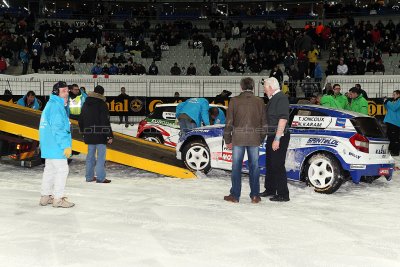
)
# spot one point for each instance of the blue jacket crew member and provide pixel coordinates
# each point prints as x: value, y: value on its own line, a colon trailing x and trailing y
x: 392, y: 120
x: 277, y: 142
x: 55, y: 144
x: 217, y: 116
x: 192, y: 113
x: 29, y: 101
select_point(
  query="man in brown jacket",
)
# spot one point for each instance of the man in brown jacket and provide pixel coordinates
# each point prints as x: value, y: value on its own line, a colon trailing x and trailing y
x: 245, y: 131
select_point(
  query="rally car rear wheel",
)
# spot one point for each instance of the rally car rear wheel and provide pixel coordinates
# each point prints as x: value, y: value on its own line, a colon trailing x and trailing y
x: 324, y: 173
x: 156, y: 138
x: 196, y: 156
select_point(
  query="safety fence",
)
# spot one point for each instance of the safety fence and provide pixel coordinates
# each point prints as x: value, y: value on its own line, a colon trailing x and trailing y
x: 187, y: 86
x: 376, y: 86
x: 146, y: 86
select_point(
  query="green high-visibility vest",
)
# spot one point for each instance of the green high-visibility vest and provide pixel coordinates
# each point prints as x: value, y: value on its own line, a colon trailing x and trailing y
x: 75, y: 105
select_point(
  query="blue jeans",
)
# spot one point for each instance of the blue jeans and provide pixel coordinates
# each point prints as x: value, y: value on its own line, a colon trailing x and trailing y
x: 254, y: 171
x: 96, y: 166
x: 185, y: 125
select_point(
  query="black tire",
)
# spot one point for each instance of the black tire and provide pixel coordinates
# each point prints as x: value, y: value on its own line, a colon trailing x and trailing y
x: 324, y: 173
x: 156, y: 138
x: 187, y: 154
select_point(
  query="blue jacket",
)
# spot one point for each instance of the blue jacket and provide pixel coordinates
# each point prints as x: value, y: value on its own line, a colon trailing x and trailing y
x: 21, y: 102
x: 97, y: 70
x: 393, y: 112
x: 24, y: 56
x: 114, y: 70
x: 220, y: 119
x: 196, y: 109
x: 54, y: 129
x: 318, y: 71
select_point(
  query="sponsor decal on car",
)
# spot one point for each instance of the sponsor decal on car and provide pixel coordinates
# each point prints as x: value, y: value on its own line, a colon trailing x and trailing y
x: 317, y: 141
x: 168, y: 123
x: 354, y: 155
x: 216, y: 155
x: 169, y: 115
x: 200, y: 131
x: 381, y: 150
x: 341, y: 122
x: 227, y: 157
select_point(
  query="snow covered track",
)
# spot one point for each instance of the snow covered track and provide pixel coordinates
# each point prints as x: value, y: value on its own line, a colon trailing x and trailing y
x: 143, y: 219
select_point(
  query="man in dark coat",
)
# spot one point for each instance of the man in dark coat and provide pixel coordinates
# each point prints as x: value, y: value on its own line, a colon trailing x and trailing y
x: 94, y: 123
x: 121, y: 98
x: 277, y: 142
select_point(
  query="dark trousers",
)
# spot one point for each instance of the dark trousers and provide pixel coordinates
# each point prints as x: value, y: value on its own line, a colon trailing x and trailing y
x: 25, y: 68
x: 393, y: 133
x: 275, y: 178
x: 311, y: 66
x: 126, y: 119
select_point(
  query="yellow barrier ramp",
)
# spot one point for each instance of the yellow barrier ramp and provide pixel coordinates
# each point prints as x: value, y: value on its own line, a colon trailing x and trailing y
x: 126, y: 150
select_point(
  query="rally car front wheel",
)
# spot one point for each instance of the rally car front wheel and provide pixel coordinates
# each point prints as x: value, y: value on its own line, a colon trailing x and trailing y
x: 196, y: 156
x: 324, y: 173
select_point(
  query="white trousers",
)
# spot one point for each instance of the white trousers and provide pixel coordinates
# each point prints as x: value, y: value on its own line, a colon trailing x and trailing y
x: 54, y: 177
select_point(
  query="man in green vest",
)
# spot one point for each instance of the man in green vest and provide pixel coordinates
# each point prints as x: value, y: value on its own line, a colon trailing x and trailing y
x: 341, y: 100
x: 327, y: 100
x: 358, y: 102
x: 75, y: 101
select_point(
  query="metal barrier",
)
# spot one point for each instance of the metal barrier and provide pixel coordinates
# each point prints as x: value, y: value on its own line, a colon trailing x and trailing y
x: 187, y: 86
x: 376, y: 86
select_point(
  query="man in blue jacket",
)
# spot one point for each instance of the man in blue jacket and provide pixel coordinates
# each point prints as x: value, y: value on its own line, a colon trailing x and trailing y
x: 192, y: 113
x: 392, y: 120
x: 217, y: 116
x: 29, y: 100
x: 55, y: 144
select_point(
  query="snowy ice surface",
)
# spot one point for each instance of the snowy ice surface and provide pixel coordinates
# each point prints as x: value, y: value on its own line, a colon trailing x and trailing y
x: 142, y: 219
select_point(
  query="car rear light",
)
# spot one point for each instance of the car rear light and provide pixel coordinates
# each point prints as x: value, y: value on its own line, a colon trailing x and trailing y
x: 23, y: 147
x: 360, y: 142
x: 384, y: 171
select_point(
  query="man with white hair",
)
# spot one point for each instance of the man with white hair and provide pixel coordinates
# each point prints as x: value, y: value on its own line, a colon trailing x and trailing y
x: 277, y: 142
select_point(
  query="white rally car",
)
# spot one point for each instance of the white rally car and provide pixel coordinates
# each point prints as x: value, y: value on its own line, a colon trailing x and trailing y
x: 161, y: 127
x: 327, y: 147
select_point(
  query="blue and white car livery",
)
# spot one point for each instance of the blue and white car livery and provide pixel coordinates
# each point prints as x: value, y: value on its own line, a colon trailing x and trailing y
x: 327, y: 147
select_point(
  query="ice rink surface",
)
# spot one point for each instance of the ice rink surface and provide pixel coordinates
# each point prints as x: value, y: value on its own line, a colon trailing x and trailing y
x: 142, y: 219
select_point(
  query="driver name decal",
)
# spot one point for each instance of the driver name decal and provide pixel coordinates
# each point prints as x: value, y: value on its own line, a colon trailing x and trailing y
x: 311, y: 121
